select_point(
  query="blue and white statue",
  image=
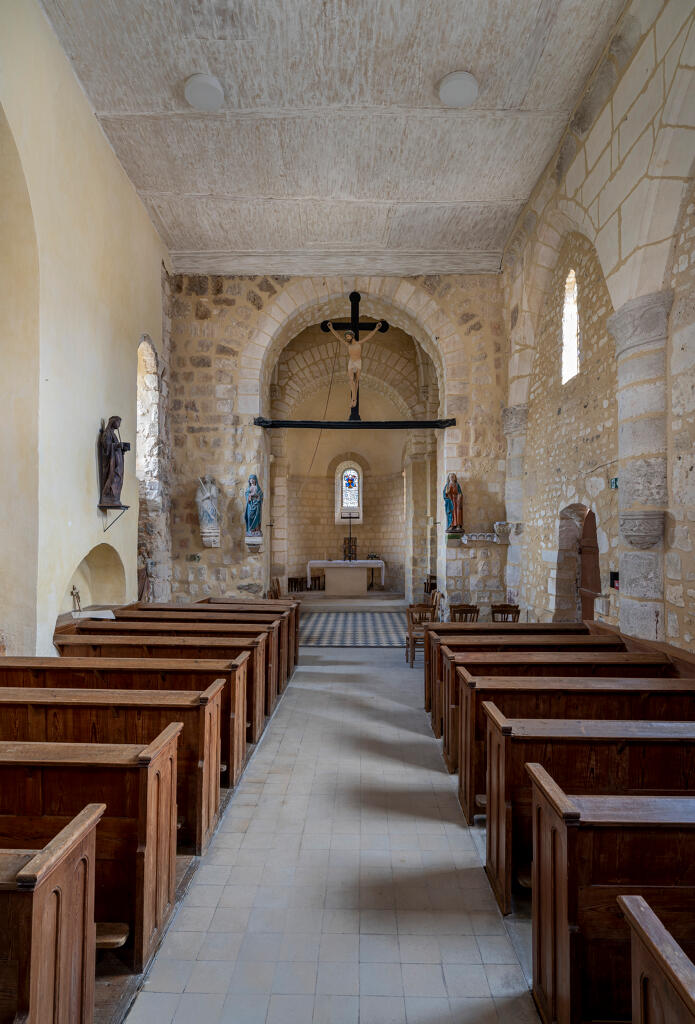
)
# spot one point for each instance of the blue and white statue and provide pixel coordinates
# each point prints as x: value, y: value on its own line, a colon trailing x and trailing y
x: 254, y: 507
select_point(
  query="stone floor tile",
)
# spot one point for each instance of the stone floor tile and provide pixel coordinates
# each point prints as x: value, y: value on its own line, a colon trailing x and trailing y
x: 240, y: 1008
x: 221, y: 946
x: 339, y: 947
x: 420, y: 1010
x: 196, y: 1008
x: 381, y: 980
x: 168, y: 975
x: 336, y: 1009
x: 252, y: 977
x: 294, y: 978
x: 290, y: 1009
x: 465, y: 980
x: 381, y: 949
x: 381, y: 1010
x: 338, y: 979
x: 423, y: 980
x: 479, y: 1011
x: 154, y: 1008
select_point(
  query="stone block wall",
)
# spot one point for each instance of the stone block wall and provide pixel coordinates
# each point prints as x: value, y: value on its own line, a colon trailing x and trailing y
x: 313, y: 532
x: 680, y: 525
x: 571, y: 442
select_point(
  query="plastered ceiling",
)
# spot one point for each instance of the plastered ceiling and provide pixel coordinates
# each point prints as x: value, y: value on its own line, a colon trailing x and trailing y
x: 332, y: 152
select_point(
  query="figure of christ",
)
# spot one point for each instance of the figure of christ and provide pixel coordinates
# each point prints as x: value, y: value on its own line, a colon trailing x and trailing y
x: 354, y: 357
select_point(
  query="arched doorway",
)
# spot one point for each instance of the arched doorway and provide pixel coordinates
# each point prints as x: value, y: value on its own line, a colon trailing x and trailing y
x: 576, y: 582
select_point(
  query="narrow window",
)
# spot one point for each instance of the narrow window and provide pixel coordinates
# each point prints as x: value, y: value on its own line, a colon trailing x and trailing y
x: 348, y: 493
x: 570, y: 330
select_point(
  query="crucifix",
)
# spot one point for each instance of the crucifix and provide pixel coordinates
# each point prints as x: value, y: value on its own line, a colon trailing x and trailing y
x: 352, y: 339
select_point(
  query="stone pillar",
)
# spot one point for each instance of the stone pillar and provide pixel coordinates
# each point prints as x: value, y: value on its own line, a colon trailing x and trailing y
x: 514, y: 424
x: 640, y: 330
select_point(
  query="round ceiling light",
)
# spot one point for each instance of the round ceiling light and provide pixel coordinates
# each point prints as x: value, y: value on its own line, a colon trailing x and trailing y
x: 204, y: 93
x: 458, y: 89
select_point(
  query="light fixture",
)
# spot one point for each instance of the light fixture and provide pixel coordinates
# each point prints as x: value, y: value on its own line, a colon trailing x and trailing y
x: 458, y: 89
x: 204, y: 93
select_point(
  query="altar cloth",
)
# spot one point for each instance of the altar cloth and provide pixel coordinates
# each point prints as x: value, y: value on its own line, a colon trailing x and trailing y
x: 339, y: 563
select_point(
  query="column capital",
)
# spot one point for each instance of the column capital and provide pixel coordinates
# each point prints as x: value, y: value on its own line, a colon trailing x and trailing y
x: 641, y: 321
x: 514, y: 420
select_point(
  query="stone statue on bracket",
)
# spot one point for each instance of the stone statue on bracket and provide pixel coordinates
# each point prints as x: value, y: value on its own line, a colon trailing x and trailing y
x: 453, y: 504
x: 111, y: 463
x: 254, y: 507
x: 206, y: 498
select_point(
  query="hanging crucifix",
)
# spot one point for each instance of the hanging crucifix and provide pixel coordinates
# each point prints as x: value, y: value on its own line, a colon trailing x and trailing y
x: 351, y: 338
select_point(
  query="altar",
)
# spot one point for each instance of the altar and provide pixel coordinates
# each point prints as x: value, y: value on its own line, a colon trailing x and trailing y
x: 346, y: 579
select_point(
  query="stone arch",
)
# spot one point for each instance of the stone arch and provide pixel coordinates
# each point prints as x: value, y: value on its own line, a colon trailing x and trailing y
x: 154, y: 543
x: 99, y: 578
x: 576, y: 581
x: 405, y: 304
x: 19, y: 438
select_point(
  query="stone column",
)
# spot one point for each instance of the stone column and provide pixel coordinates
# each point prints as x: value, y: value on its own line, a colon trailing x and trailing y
x: 514, y: 424
x: 640, y: 330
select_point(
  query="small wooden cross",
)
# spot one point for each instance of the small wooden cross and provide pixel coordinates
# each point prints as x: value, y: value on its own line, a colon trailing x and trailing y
x: 355, y: 326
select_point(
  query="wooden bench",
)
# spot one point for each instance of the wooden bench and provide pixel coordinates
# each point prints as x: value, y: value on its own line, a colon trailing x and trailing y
x: 43, y: 786
x: 663, y: 977
x: 147, y: 674
x: 439, y: 632
x: 47, y: 938
x: 269, y: 622
x: 456, y: 651
x: 255, y: 691
x: 587, y: 851
x: 50, y: 715
x: 583, y: 756
x: 136, y: 643
x: 295, y: 608
x: 570, y: 696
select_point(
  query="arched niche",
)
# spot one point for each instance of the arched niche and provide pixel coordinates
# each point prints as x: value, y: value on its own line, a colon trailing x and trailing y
x: 19, y: 438
x: 99, y: 578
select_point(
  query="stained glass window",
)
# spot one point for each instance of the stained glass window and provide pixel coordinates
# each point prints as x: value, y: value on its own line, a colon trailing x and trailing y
x: 350, y: 492
x: 570, y: 330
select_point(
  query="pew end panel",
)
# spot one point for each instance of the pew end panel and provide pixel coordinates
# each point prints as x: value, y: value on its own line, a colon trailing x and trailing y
x: 47, y: 941
x: 663, y: 977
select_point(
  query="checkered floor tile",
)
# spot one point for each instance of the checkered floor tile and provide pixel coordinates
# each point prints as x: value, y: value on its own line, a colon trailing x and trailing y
x: 353, y: 629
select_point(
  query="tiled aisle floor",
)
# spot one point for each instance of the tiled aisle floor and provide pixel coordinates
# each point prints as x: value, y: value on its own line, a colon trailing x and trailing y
x: 343, y: 885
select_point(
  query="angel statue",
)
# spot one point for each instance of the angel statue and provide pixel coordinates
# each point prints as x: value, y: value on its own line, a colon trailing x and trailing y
x: 354, y: 357
x: 206, y: 498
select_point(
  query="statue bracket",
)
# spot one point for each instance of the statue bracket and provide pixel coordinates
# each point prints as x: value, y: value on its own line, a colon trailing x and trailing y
x: 121, y: 509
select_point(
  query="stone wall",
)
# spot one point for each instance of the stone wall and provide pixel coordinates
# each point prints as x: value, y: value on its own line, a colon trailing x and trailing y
x: 571, y: 441
x: 313, y: 532
x: 680, y: 534
x: 227, y: 336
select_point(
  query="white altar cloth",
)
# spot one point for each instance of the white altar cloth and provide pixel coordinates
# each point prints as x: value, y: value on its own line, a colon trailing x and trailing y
x: 338, y: 563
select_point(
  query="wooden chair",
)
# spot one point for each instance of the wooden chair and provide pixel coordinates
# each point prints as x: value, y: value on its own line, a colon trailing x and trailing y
x: 505, y: 612
x: 430, y: 583
x: 418, y: 616
x: 464, y: 612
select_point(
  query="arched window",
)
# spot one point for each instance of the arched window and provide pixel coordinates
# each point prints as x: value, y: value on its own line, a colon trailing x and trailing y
x: 348, y: 493
x: 570, y: 329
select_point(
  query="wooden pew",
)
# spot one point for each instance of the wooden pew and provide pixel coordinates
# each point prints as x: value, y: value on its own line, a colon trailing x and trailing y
x: 47, y: 937
x: 135, y: 642
x: 457, y: 649
x: 43, y: 786
x: 294, y: 606
x: 437, y: 633
x: 583, y: 756
x: 146, y: 674
x: 242, y: 612
x: 271, y: 623
x: 588, y: 850
x: 663, y: 977
x: 255, y: 693
x: 50, y: 715
x: 570, y: 696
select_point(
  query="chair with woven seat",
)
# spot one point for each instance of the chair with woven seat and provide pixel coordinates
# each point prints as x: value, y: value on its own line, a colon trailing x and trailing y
x: 505, y: 612
x: 418, y: 617
x: 464, y: 612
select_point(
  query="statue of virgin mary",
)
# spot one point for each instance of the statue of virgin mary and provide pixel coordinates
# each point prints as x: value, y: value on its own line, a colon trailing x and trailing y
x: 254, y: 507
